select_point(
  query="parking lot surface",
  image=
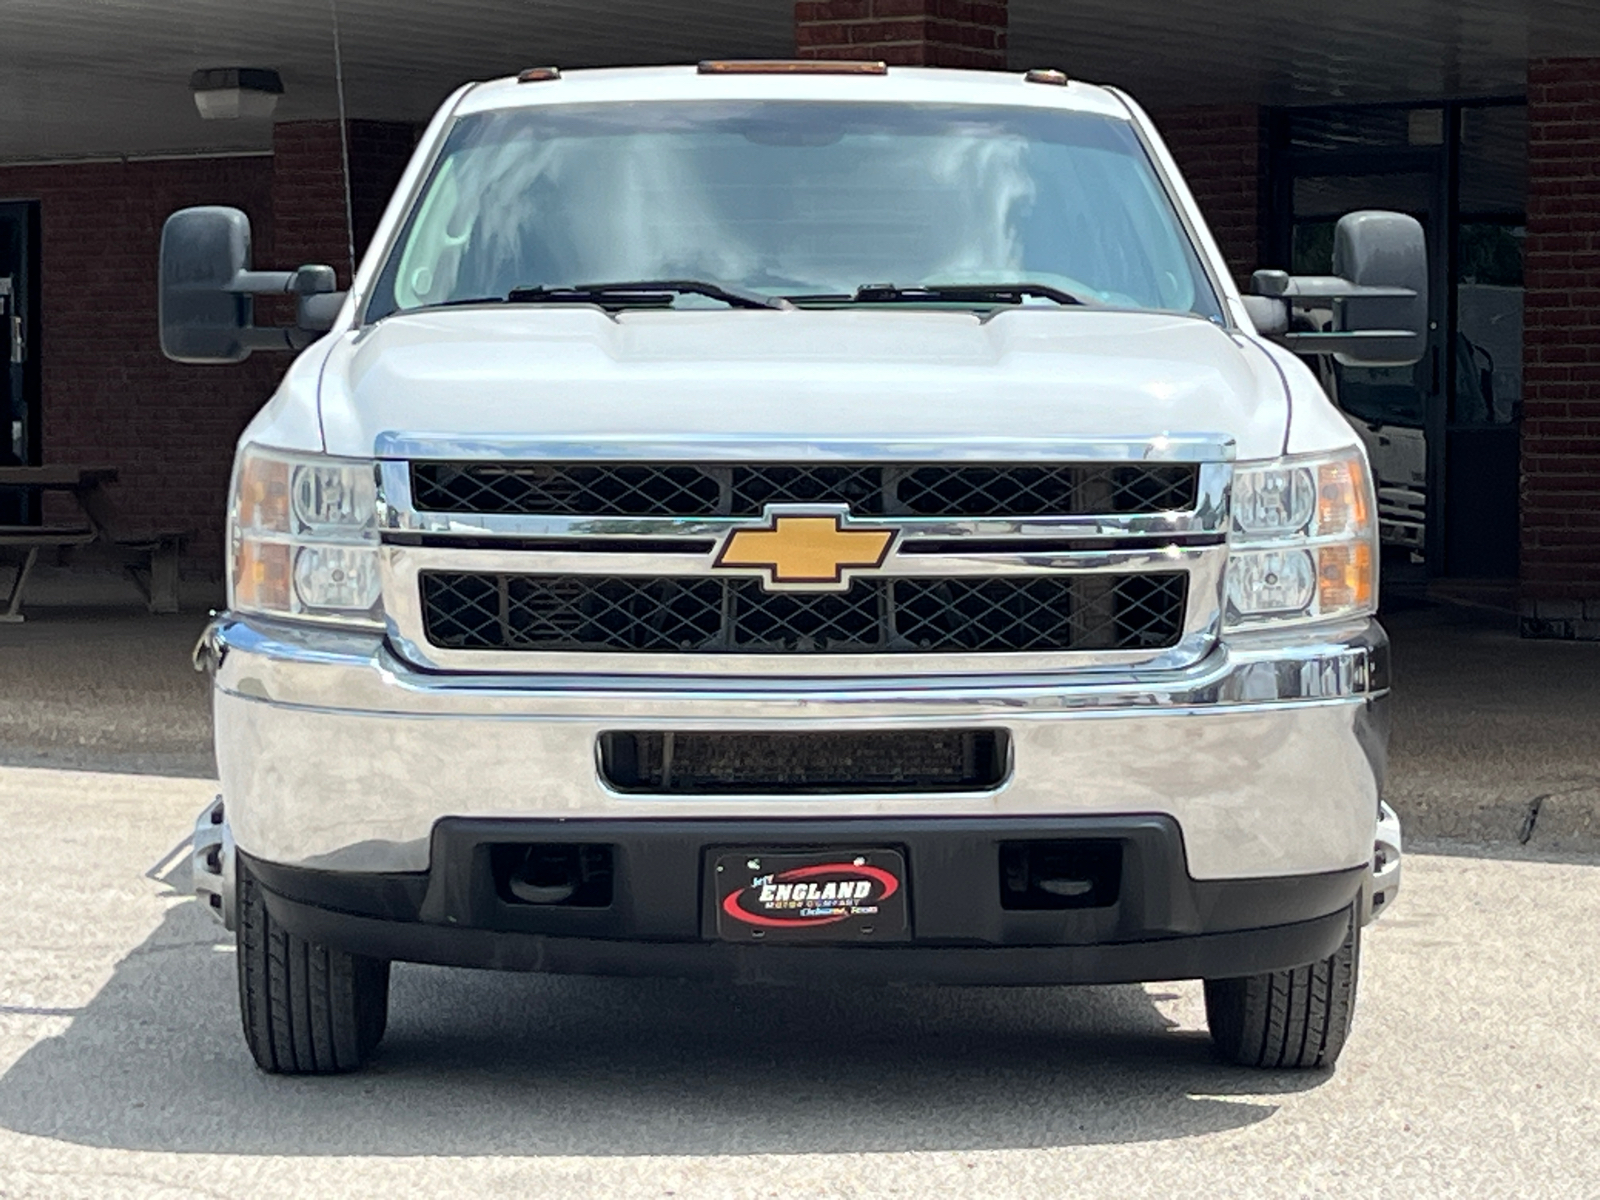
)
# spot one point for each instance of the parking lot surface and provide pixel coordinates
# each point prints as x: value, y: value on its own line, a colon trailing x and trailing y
x: 122, y: 1071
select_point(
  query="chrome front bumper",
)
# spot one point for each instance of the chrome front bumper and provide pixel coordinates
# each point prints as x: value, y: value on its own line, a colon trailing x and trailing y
x: 335, y: 754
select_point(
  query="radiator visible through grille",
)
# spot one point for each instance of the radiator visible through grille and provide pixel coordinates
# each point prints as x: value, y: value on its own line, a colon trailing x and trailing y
x: 936, y: 760
x: 495, y: 611
x: 870, y: 489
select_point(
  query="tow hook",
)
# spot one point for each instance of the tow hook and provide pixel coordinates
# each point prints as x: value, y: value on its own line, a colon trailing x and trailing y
x: 209, y: 650
x: 1384, y: 884
x: 212, y: 863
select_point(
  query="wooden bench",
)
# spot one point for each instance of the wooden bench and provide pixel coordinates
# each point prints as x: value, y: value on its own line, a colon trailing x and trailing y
x: 148, y: 558
x: 30, y: 539
x: 151, y: 561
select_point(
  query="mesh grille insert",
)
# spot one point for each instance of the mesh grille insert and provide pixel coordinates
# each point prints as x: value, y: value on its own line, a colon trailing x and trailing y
x: 939, y: 760
x: 870, y: 489
x: 473, y: 611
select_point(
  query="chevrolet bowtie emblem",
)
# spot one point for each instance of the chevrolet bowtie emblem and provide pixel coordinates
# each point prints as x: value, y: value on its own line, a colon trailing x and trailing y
x: 815, y: 550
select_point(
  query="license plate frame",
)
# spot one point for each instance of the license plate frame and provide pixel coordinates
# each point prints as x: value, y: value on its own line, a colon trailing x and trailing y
x: 755, y: 898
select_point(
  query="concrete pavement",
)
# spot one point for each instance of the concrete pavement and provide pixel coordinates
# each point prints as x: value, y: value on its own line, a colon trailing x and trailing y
x: 1471, y: 1071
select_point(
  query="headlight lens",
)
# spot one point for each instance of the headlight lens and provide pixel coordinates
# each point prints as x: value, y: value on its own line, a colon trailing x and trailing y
x: 304, y: 531
x: 1303, y: 545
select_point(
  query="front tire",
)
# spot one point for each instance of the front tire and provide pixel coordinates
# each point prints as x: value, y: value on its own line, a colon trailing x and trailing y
x: 1292, y: 1019
x: 308, y: 1009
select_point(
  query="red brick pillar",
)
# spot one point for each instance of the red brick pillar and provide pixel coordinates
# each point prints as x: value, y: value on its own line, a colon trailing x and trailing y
x: 308, y: 190
x: 906, y: 33
x: 1561, y: 353
x: 1221, y: 151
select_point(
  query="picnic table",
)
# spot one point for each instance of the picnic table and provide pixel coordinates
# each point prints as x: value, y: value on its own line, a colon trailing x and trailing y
x: 149, y: 558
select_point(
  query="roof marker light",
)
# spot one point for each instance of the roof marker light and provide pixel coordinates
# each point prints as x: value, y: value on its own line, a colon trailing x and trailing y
x: 792, y: 66
x: 1042, y: 75
x: 539, y: 74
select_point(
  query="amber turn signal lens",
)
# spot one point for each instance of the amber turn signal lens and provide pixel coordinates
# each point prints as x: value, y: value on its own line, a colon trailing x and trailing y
x: 263, y: 494
x: 263, y: 575
x: 1342, y: 497
x: 1345, y: 578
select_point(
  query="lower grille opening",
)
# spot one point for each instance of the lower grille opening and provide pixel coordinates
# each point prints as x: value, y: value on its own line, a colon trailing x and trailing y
x: 779, y: 764
x: 882, y: 615
x: 1054, y: 875
x: 553, y: 874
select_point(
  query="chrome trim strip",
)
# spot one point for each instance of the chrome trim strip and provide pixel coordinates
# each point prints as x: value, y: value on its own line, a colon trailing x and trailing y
x: 1209, y: 516
x: 1166, y: 447
x: 400, y: 566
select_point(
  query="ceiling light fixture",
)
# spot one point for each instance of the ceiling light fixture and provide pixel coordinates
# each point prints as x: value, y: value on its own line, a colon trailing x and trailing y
x: 229, y: 93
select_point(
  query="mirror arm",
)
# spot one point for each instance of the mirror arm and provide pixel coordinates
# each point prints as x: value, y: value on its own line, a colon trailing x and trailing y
x: 317, y: 313
x: 1334, y: 343
x: 1280, y: 284
x: 261, y: 283
x: 267, y: 337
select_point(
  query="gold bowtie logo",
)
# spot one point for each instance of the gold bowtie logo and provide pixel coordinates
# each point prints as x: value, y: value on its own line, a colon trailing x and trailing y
x: 798, y: 550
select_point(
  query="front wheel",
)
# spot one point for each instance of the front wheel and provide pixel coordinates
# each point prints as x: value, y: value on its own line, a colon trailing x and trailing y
x: 1288, y: 1019
x: 308, y: 1009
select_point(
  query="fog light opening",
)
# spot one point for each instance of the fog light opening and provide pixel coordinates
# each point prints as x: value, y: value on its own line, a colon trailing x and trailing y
x: 1060, y: 875
x: 554, y: 874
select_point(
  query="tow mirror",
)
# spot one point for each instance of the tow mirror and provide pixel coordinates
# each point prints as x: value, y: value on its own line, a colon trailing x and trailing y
x: 207, y: 287
x: 1378, y: 295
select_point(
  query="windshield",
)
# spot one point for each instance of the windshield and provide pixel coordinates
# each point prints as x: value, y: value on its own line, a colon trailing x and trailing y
x: 794, y: 199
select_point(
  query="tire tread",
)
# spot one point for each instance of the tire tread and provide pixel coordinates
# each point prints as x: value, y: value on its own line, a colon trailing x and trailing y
x: 1296, y: 1018
x: 306, y: 1008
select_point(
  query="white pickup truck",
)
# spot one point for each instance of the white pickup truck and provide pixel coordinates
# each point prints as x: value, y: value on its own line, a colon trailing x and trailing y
x: 798, y: 521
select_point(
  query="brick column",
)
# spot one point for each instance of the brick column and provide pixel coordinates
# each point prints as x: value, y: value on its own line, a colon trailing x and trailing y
x: 1220, y: 150
x: 1560, y: 569
x: 906, y: 33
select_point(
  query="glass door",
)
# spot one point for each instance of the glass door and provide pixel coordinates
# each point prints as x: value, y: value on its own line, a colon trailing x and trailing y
x: 1484, y: 411
x: 1442, y: 435
x: 18, y: 370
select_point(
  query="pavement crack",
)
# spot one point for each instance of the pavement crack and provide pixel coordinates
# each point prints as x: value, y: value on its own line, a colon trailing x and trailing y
x: 1532, y: 817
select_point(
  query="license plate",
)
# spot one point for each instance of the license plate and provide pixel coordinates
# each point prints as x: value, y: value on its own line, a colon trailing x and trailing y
x: 822, y: 896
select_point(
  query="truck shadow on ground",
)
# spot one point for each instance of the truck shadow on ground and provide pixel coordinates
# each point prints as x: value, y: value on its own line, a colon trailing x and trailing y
x: 484, y: 1064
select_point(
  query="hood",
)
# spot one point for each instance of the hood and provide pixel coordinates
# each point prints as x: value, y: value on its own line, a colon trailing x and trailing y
x: 482, y: 374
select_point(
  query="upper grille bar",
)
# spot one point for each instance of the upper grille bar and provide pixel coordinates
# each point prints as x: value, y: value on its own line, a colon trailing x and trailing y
x: 666, y: 489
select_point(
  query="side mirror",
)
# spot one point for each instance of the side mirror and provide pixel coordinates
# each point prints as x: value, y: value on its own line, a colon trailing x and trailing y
x: 206, y: 306
x: 1378, y: 295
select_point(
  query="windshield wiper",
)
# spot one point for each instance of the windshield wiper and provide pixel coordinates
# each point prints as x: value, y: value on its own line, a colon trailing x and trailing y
x: 643, y: 293
x: 948, y: 293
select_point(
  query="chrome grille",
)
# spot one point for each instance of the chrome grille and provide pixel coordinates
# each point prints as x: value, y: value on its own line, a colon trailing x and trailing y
x: 743, y: 490
x: 696, y: 614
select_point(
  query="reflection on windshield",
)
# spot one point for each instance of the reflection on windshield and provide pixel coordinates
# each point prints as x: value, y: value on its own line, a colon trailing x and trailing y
x: 793, y: 199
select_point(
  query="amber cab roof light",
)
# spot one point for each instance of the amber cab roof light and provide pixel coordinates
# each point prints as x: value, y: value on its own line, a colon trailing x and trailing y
x: 539, y: 74
x: 1042, y: 75
x: 792, y: 66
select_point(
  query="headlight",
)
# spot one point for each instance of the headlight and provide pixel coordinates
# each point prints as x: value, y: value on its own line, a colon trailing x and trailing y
x: 1303, y: 545
x: 304, y: 530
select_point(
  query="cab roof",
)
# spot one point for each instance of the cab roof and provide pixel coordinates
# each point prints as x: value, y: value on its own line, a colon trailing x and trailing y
x: 902, y: 85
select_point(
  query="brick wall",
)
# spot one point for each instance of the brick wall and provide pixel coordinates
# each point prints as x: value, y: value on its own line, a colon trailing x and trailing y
x: 308, y: 187
x: 1220, y: 150
x: 109, y: 396
x: 909, y: 33
x: 1560, y: 569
